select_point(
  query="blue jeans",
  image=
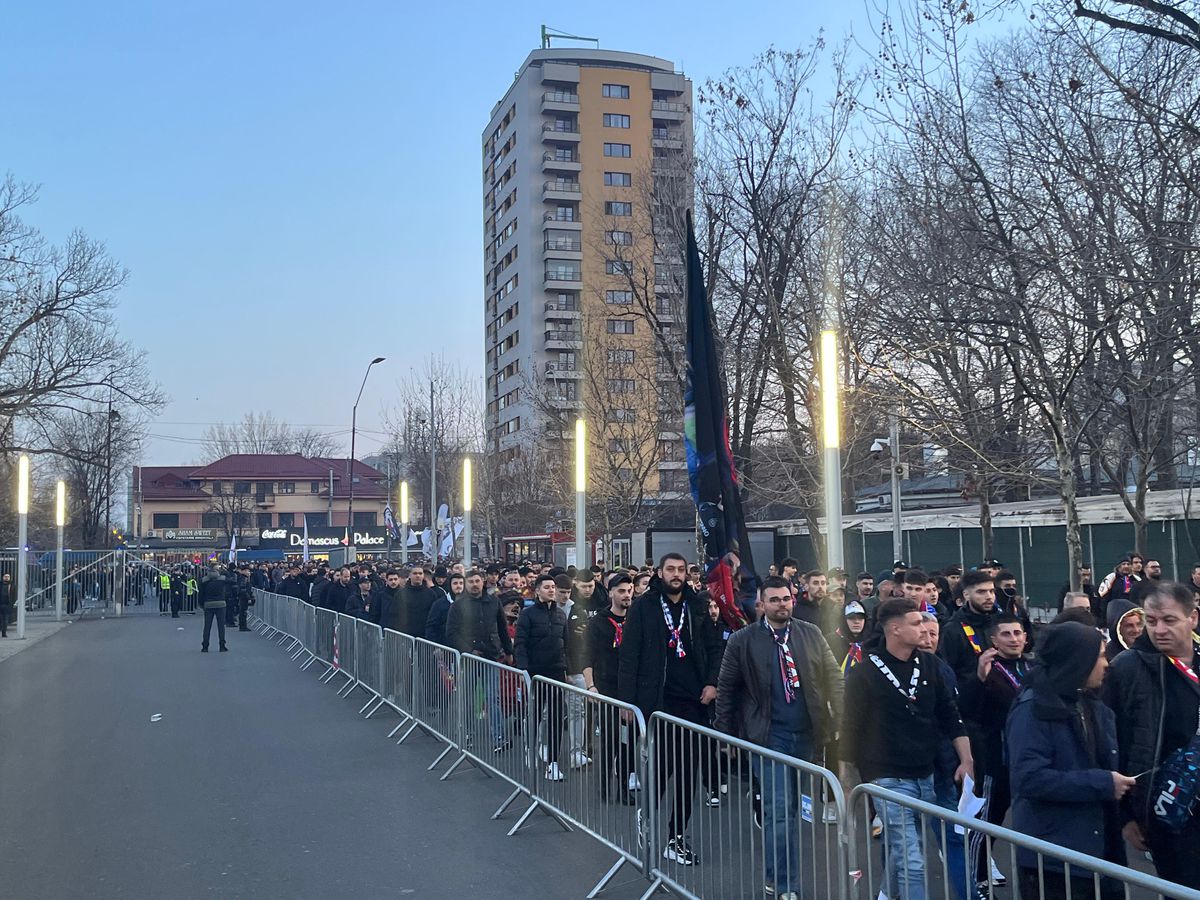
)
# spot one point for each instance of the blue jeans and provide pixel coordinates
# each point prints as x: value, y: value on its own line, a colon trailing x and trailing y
x: 780, y: 789
x: 956, y: 867
x: 904, y: 857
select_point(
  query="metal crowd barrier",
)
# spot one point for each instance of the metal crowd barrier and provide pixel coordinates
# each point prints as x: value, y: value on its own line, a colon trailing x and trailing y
x: 1057, y: 871
x: 766, y: 822
x: 595, y: 792
x: 759, y: 822
x: 435, y: 672
x: 493, y: 729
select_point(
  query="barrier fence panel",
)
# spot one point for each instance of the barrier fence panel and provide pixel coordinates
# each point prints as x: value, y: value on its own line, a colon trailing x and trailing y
x: 345, y: 646
x: 398, y: 676
x: 435, y: 673
x: 594, y: 786
x: 369, y: 657
x: 911, y: 859
x: 307, y: 620
x: 324, y: 647
x: 493, y: 700
x: 753, y: 821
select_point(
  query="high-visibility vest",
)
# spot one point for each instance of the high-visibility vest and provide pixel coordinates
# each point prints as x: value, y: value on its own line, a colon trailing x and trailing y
x: 192, y: 587
x: 164, y: 581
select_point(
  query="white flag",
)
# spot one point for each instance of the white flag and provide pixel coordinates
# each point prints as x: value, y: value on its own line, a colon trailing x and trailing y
x: 306, y: 538
x: 233, y: 548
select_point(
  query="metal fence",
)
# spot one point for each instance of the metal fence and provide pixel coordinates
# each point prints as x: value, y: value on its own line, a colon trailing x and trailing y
x: 697, y: 812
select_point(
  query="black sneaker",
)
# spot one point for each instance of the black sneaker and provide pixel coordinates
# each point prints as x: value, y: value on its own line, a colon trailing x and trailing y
x: 677, y: 850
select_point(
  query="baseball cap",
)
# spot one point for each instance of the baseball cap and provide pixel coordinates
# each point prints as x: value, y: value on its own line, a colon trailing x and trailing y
x: 854, y: 608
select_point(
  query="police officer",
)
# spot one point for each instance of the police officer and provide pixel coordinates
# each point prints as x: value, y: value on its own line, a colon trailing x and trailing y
x: 178, y: 589
x: 245, y: 595
x: 164, y: 591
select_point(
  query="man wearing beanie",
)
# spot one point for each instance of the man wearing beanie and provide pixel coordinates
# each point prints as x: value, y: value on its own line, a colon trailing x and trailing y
x: 1062, y: 753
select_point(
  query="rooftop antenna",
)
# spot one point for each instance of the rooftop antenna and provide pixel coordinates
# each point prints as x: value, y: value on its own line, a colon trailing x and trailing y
x: 549, y: 33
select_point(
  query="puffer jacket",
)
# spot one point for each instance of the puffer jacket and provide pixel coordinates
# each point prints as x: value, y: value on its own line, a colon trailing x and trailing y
x: 541, y: 644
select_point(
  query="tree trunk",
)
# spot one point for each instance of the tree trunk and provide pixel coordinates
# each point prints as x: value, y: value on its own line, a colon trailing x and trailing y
x: 1066, y: 478
x: 985, y: 522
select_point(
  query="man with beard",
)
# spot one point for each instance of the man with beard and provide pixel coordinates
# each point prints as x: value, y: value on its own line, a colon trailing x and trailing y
x: 669, y: 661
x: 602, y: 644
x: 541, y: 649
x: 1151, y: 576
x: 965, y: 637
x: 388, y: 610
x: 1117, y: 585
x: 477, y: 627
x: 338, y: 596
x: 418, y: 599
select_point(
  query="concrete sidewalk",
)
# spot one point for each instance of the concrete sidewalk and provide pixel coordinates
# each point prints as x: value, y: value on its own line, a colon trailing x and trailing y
x: 36, y: 629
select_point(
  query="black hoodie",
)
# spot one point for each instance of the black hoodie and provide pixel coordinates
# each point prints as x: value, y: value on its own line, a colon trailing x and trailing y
x: 1118, y: 610
x: 961, y: 650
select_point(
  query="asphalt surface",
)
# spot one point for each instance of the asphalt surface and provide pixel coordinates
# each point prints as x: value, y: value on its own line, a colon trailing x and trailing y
x: 257, y: 781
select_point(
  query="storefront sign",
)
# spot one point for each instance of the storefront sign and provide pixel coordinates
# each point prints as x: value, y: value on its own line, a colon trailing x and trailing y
x: 188, y: 534
x: 321, y: 537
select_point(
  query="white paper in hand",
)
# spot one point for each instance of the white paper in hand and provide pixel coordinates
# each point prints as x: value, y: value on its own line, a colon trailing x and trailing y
x: 968, y: 804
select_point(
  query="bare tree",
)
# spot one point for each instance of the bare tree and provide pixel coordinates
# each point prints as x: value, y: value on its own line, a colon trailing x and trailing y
x: 262, y: 433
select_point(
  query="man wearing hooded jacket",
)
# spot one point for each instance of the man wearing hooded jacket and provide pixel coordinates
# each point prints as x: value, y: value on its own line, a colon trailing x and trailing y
x: 965, y: 636
x: 669, y: 661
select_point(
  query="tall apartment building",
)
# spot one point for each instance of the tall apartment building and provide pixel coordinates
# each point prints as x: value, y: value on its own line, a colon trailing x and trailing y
x: 570, y: 155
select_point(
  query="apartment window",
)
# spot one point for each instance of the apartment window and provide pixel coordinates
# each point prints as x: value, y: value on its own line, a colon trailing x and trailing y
x: 619, y: 150
x: 262, y: 520
x: 618, y: 179
x: 670, y: 451
x: 365, y: 519
x: 620, y: 445
x: 675, y: 480
x: 287, y: 520
x: 620, y: 326
x: 616, y: 91
x: 287, y: 487
x: 617, y: 414
x: 618, y: 267
x: 622, y: 238
x: 618, y: 208
x: 212, y: 520
x: 618, y: 298
x: 218, y: 488
x: 620, y: 357
x: 621, y: 385
x: 615, y: 120
x: 566, y: 360
x: 314, y: 487
x: 166, y: 520
x: 241, y: 487
x: 566, y: 390
x: 564, y: 214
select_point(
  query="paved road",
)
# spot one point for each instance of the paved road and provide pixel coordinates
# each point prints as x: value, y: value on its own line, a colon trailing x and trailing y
x: 256, y: 782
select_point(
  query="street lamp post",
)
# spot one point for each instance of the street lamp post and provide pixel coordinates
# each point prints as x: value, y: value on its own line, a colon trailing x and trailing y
x: 60, y: 520
x: 897, y: 522
x: 831, y: 438
x: 113, y: 416
x: 353, y: 430
x: 404, y: 523
x: 433, y: 528
x: 467, y: 512
x: 22, y: 540
x: 581, y: 561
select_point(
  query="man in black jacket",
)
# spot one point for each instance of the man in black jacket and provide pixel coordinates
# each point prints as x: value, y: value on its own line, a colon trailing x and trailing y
x: 418, y: 598
x: 476, y: 626
x: 541, y: 649
x: 602, y: 645
x: 780, y: 687
x: 339, y: 594
x: 965, y: 636
x: 388, y: 611
x: 1154, y: 690
x: 903, y: 709
x: 669, y: 661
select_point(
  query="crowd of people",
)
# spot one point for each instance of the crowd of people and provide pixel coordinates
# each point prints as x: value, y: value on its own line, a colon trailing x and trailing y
x: 924, y: 684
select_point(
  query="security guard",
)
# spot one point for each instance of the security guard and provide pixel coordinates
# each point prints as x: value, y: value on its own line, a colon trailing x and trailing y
x: 177, y: 592
x: 164, y: 591
x: 193, y: 589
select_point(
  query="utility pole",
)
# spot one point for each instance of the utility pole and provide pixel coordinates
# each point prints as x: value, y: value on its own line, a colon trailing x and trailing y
x: 433, y: 529
x: 897, y: 522
x: 112, y: 414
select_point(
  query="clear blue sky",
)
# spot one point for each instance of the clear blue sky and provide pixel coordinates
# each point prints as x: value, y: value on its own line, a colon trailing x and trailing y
x: 295, y: 187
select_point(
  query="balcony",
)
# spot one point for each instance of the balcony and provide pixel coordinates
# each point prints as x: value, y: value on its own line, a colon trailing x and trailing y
x: 566, y: 403
x: 571, y: 245
x: 564, y: 340
x: 558, y: 370
x: 559, y: 102
x: 558, y: 311
x: 555, y: 221
x: 561, y: 189
x: 264, y: 499
x: 560, y: 161
x: 669, y: 109
x: 553, y: 132
x: 666, y: 138
x: 560, y: 278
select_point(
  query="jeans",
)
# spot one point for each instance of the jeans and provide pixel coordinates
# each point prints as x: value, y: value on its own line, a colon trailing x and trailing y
x: 576, y: 719
x: 904, y: 857
x: 780, y: 788
x: 211, y: 613
x: 946, y: 793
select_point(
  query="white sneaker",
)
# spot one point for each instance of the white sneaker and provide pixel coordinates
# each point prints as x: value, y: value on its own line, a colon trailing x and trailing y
x: 829, y: 815
x: 635, y: 783
x: 998, y: 878
x: 553, y: 772
x: 579, y: 759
